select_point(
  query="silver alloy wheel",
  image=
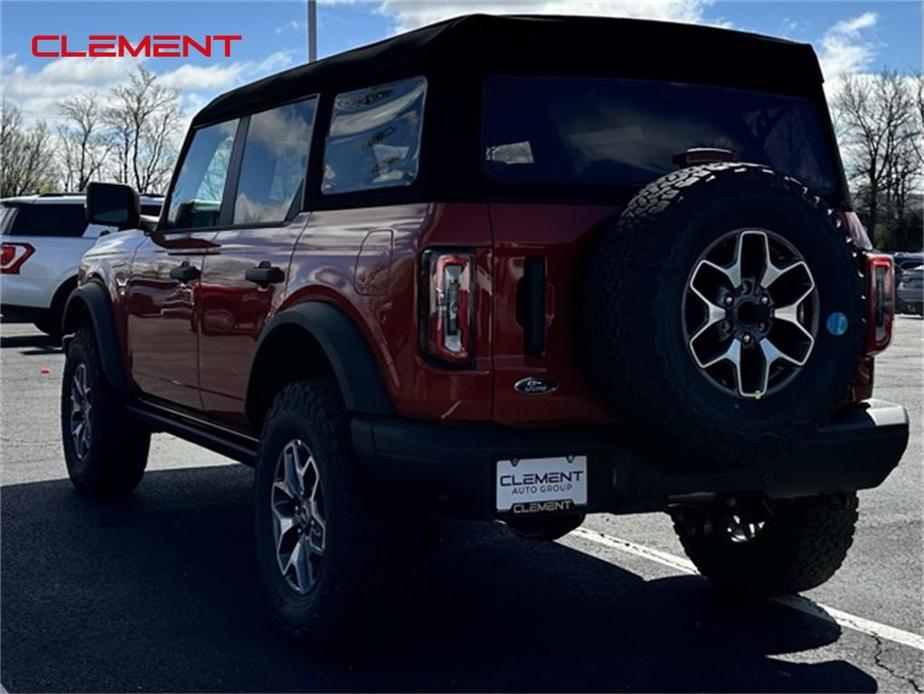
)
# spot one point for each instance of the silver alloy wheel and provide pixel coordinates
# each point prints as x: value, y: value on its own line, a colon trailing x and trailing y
x: 750, y: 313
x: 297, y: 503
x: 740, y: 530
x: 80, y: 412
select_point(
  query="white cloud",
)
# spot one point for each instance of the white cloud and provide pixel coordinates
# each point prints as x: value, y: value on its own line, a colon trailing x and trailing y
x: 196, y: 77
x: 38, y: 93
x: 410, y: 14
x: 291, y: 25
x: 848, y: 46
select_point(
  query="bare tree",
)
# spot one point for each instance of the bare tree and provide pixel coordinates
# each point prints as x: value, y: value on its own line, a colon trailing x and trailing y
x: 145, y: 122
x: 84, y: 143
x: 27, y: 163
x: 878, y: 126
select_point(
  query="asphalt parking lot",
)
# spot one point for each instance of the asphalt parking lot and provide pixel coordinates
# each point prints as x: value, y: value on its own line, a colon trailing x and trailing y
x: 159, y: 593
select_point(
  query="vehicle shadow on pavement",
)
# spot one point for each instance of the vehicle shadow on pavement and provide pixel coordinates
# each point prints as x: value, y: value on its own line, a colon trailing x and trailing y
x: 159, y: 593
x: 39, y: 344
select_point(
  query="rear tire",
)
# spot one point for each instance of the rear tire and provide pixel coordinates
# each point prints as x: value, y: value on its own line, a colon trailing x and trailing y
x: 47, y: 327
x: 105, y: 451
x: 52, y: 324
x: 364, y: 544
x: 801, y: 545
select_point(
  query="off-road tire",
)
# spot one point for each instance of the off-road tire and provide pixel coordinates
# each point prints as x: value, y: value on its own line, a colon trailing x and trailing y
x: 368, y: 561
x: 51, y: 325
x: 635, y: 347
x: 118, y: 447
x: 802, y: 544
x: 47, y: 326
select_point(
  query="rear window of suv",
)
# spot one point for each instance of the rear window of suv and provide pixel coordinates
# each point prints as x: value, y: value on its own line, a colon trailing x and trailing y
x: 37, y: 219
x: 610, y: 132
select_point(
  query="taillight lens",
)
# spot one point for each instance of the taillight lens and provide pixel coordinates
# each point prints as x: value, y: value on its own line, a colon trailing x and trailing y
x: 13, y: 255
x: 447, y: 320
x: 881, y: 293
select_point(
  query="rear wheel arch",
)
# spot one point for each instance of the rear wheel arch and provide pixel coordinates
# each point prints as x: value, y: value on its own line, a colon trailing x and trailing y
x: 314, y: 340
x: 59, y: 301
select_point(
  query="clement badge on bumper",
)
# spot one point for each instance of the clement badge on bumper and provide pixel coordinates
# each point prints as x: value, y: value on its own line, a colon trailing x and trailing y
x: 541, y: 484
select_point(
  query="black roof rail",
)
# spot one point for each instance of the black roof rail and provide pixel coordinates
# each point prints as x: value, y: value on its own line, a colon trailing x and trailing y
x: 61, y: 195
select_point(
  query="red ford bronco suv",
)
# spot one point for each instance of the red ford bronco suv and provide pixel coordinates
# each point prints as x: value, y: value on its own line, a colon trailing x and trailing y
x: 457, y: 273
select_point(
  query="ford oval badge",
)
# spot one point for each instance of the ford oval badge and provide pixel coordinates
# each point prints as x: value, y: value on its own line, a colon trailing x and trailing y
x: 535, y: 386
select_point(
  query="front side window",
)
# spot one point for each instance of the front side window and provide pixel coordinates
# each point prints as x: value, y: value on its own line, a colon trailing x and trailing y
x: 196, y: 198
x: 274, y: 163
x: 374, y: 137
x: 612, y: 132
x: 43, y: 219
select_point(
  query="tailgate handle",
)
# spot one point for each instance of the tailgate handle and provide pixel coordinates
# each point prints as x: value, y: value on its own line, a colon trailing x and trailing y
x: 531, y: 305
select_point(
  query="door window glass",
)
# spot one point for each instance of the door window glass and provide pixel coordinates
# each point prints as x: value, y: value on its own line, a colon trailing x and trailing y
x: 196, y: 198
x: 374, y: 137
x: 274, y: 163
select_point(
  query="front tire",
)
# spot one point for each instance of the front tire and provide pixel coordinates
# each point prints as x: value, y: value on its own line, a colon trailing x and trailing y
x: 794, y: 545
x: 105, y: 451
x: 326, y: 540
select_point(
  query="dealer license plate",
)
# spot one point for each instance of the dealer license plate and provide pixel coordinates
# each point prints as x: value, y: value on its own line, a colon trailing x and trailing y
x: 536, y: 485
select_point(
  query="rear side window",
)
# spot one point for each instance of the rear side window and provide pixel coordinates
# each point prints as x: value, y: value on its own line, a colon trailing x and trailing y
x: 374, y: 137
x: 37, y: 219
x: 274, y: 163
x: 196, y: 198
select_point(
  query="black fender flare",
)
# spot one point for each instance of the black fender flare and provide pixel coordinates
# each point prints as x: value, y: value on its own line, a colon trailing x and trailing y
x: 93, y: 299
x: 354, y: 365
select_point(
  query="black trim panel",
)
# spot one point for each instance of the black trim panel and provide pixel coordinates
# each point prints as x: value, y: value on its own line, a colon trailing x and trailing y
x: 222, y: 441
x: 345, y: 347
x: 95, y: 298
x: 451, y: 466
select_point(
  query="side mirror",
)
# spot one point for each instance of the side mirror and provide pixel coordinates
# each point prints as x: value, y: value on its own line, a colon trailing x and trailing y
x: 113, y: 204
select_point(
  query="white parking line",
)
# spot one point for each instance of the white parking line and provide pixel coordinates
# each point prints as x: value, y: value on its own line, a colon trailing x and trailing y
x: 844, y: 619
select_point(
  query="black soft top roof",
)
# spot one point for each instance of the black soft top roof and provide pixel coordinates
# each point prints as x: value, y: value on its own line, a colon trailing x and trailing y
x: 475, y: 45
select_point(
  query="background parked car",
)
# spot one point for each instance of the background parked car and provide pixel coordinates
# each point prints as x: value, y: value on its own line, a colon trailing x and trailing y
x: 44, y: 237
x: 910, y: 294
x: 906, y: 261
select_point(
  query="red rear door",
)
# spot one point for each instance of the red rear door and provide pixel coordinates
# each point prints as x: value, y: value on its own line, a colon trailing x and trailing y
x: 539, y: 254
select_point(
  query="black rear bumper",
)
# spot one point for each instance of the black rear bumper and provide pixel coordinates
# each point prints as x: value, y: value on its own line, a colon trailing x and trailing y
x: 452, y: 466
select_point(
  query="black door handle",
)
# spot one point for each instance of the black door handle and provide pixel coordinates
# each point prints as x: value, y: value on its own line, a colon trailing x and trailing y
x: 265, y: 275
x: 184, y: 273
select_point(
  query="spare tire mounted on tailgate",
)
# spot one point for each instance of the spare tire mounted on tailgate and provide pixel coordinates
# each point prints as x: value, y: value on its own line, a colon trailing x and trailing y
x: 724, y: 313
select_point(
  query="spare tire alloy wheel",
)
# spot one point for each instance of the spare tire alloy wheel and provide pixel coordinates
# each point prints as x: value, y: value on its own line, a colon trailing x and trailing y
x: 299, y: 528
x: 724, y: 315
x: 750, y: 313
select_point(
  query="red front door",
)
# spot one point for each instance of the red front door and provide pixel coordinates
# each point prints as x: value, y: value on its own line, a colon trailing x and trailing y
x: 163, y: 291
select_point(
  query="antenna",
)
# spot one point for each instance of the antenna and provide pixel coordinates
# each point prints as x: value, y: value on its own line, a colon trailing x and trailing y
x: 312, y: 30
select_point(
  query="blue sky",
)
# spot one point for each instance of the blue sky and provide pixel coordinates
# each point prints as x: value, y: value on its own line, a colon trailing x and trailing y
x: 853, y: 36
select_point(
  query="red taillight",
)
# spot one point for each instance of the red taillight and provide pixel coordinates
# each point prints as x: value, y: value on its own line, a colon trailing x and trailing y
x: 880, y: 278
x: 13, y: 256
x: 447, y: 324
